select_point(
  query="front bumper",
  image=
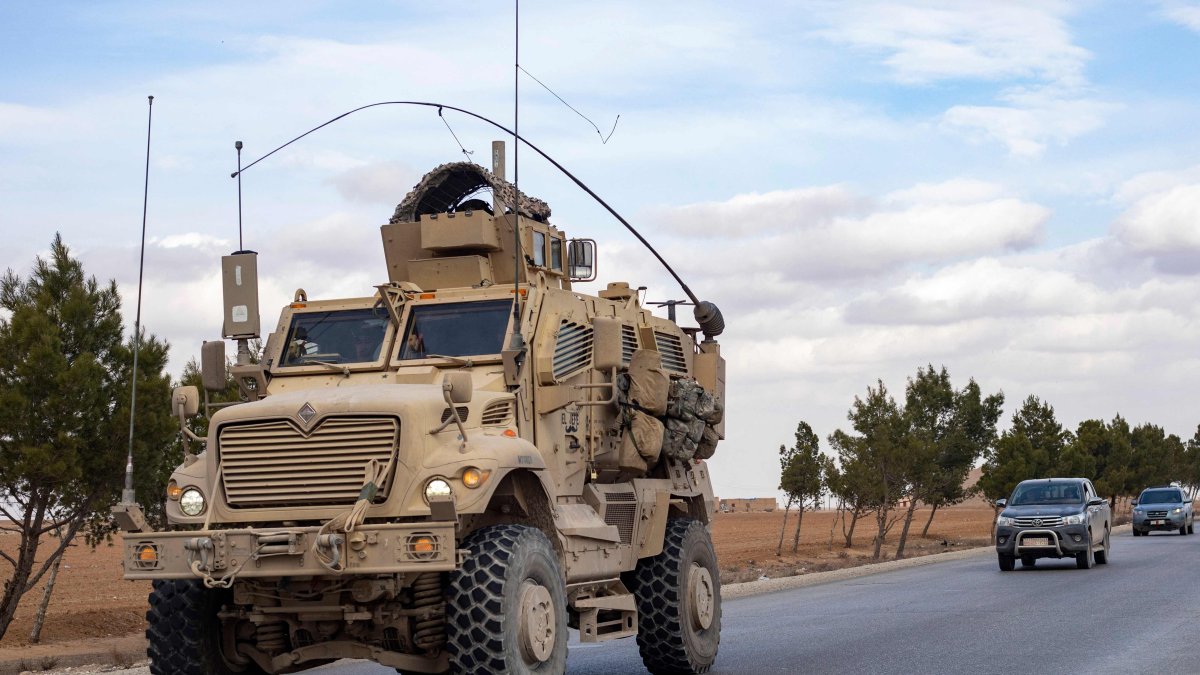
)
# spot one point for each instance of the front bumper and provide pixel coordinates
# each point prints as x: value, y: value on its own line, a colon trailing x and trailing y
x: 1169, y: 522
x: 291, y: 551
x: 1062, y: 542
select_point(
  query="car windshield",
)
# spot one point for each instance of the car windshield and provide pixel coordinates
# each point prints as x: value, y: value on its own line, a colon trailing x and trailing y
x: 456, y: 329
x: 1160, y: 497
x: 343, y: 336
x: 1047, y: 493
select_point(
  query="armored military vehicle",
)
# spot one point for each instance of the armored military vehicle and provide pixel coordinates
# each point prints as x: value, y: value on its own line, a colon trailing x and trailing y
x: 446, y: 474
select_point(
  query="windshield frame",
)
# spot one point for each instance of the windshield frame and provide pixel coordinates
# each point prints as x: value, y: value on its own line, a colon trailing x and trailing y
x: 287, y: 325
x: 407, y: 318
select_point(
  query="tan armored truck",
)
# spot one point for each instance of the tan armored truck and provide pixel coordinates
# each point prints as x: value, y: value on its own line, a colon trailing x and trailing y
x: 447, y: 474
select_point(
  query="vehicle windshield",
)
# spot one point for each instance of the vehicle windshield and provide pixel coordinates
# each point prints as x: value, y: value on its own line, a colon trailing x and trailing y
x: 1160, y: 497
x: 342, y: 336
x: 456, y: 329
x: 1047, y: 493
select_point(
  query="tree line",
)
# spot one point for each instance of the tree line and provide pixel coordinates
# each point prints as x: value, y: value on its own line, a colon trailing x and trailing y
x: 898, y: 456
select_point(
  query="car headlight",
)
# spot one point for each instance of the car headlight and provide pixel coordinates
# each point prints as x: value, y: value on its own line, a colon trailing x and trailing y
x: 437, y: 487
x: 1137, y: 510
x: 1074, y: 519
x: 1178, y: 510
x: 1005, y: 521
x: 191, y: 502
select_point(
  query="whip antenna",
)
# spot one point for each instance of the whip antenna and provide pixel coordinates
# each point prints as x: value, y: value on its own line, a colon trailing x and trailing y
x: 518, y: 342
x: 127, y: 496
x: 238, y: 146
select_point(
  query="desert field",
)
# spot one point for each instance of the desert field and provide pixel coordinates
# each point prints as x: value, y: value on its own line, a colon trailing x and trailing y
x: 91, y: 603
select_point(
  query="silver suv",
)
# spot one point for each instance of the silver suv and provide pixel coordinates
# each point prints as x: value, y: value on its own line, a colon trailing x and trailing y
x: 1163, y: 508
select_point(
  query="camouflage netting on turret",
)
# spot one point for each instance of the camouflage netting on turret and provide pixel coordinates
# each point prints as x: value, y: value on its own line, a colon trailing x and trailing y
x: 660, y: 415
x: 446, y: 187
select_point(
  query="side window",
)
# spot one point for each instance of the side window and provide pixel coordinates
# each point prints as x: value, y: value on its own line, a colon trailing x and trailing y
x: 539, y: 249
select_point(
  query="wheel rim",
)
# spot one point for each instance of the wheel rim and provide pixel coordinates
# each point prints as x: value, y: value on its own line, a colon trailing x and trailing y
x: 700, y: 590
x: 537, y: 631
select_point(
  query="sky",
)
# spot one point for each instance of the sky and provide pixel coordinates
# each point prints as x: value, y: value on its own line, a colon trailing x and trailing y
x: 1008, y: 190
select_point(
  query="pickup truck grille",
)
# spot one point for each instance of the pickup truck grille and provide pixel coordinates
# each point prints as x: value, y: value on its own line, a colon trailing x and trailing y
x: 272, y: 463
x: 1156, y: 514
x: 1040, y: 521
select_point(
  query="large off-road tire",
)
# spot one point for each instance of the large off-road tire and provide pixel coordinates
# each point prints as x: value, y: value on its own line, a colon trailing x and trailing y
x: 507, y: 606
x: 184, y: 633
x: 1102, y: 556
x: 678, y: 595
x: 1137, y: 532
x: 1182, y: 530
x: 1083, y: 559
x: 1007, y: 562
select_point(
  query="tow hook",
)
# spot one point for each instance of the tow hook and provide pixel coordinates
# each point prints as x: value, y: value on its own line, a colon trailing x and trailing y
x: 331, y: 545
x: 202, y: 546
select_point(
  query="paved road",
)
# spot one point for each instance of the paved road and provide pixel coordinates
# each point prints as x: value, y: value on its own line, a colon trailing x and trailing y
x: 1138, y: 614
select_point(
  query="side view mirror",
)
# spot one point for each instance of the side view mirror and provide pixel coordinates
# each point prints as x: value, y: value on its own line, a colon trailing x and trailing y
x: 185, y: 401
x: 459, y: 386
x: 1097, y: 501
x: 1135, y: 502
x: 606, y: 344
x: 212, y: 365
x: 1002, y: 503
x: 581, y: 259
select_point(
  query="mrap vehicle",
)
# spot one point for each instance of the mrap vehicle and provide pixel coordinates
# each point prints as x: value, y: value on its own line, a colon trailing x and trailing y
x: 447, y: 474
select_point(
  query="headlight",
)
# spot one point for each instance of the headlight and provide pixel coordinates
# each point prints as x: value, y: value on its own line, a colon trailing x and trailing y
x: 1137, y: 510
x: 1005, y: 521
x: 437, y: 488
x: 191, y: 502
x: 1074, y: 519
x: 1178, y: 510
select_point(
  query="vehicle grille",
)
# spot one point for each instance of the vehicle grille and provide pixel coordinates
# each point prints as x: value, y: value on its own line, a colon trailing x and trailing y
x: 620, y: 509
x: 573, y: 350
x: 629, y: 343
x: 273, y: 463
x: 497, y: 412
x: 1040, y: 521
x: 463, y: 411
x: 671, y: 349
x: 1156, y: 514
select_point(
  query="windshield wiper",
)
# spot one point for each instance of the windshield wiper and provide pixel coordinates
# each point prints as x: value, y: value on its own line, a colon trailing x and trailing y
x: 466, y: 363
x: 338, y: 367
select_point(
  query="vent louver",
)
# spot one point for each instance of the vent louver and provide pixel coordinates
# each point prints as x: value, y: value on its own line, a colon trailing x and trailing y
x: 572, y: 350
x: 497, y: 412
x: 629, y: 343
x: 462, y: 413
x: 671, y: 348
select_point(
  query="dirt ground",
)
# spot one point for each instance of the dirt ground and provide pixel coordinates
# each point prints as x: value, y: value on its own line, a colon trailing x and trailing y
x: 92, y: 605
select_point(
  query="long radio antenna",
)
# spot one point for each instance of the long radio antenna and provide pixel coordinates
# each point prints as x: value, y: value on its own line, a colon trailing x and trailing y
x: 518, y: 340
x: 127, y: 496
x: 706, y: 313
x: 238, y: 146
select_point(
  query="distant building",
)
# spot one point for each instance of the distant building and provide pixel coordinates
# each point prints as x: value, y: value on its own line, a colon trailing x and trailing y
x: 753, y: 504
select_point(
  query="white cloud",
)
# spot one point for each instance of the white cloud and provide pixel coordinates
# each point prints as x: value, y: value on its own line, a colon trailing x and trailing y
x: 1183, y: 12
x: 831, y: 233
x: 1032, y: 120
x: 930, y: 41
x: 983, y: 288
x: 379, y: 183
x: 1164, y: 225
